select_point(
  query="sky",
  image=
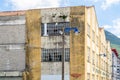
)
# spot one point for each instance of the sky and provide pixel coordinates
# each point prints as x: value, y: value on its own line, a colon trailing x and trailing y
x: 107, y: 11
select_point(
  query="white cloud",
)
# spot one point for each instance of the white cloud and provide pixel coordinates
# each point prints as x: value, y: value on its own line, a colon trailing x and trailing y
x: 95, y: 1
x: 30, y: 4
x: 107, y: 26
x: 108, y: 3
x: 115, y: 28
x: 91, y: 1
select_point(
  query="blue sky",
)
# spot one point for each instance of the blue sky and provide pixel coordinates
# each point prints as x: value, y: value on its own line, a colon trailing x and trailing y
x: 108, y: 11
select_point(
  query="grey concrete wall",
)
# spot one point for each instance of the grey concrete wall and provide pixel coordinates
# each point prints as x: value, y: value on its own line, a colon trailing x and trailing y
x: 12, y: 34
x: 12, y: 29
x: 52, y: 15
x: 12, y: 39
x: 54, y: 68
x: 12, y: 60
x: 12, y: 20
x: 54, y: 42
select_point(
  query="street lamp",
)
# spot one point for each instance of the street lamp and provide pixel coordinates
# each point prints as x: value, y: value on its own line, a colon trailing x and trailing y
x: 66, y: 30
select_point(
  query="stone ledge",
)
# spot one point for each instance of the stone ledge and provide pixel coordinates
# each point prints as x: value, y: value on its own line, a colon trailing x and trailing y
x: 10, y: 74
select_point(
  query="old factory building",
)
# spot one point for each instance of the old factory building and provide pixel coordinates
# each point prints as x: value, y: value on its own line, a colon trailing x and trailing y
x: 31, y: 40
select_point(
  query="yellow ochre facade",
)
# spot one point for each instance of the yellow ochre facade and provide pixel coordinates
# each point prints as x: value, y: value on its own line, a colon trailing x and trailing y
x: 91, y: 56
x: 90, y: 52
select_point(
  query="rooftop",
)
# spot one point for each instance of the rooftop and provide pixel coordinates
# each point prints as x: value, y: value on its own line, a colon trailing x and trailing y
x: 115, y: 51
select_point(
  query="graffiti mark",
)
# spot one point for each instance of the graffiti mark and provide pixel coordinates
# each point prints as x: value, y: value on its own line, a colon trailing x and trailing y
x: 75, y: 75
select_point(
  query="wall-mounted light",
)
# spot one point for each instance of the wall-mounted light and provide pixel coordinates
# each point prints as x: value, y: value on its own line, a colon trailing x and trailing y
x: 104, y: 55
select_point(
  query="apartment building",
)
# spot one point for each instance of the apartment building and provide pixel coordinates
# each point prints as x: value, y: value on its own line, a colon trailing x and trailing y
x: 87, y: 55
x: 118, y: 68
x: 115, y: 65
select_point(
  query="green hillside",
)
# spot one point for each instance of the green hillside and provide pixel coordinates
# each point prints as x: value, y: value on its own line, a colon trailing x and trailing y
x: 115, y: 41
x: 116, y: 46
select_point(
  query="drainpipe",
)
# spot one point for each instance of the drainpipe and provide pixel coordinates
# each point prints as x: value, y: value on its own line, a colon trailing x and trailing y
x: 45, y: 29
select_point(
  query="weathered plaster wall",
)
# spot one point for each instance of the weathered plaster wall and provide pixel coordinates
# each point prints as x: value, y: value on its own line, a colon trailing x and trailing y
x: 54, y: 68
x: 54, y: 42
x: 53, y: 14
x: 49, y: 16
x: 77, y: 44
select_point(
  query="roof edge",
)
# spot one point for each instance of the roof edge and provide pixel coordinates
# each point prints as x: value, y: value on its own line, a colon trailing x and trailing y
x: 12, y: 13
